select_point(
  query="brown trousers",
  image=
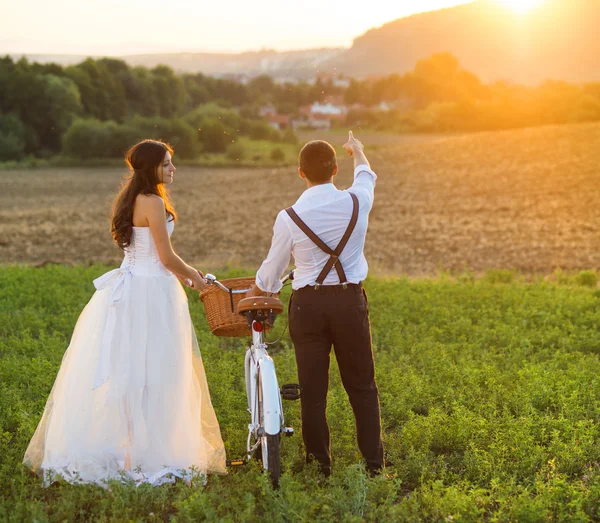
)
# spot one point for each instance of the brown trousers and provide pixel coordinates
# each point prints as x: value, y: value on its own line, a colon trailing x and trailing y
x: 320, y: 318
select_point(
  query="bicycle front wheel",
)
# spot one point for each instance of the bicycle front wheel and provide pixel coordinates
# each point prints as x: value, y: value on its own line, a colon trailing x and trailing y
x: 270, y: 444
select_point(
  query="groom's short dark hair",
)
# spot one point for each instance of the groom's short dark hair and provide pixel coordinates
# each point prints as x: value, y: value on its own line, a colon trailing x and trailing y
x: 317, y: 161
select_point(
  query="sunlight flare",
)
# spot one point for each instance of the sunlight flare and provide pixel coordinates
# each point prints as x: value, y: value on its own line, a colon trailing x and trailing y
x: 521, y: 6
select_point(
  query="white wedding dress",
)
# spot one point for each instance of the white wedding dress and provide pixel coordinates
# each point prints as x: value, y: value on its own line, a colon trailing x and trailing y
x: 131, y: 399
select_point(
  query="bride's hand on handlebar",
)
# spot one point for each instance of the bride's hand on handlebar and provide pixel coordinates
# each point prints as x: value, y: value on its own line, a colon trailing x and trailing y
x: 196, y: 281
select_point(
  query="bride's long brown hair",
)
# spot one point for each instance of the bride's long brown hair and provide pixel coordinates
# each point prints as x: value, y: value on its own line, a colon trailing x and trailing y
x: 143, y: 161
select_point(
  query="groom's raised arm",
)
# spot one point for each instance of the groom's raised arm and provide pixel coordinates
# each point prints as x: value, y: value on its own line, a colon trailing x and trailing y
x: 269, y: 274
x: 364, y: 177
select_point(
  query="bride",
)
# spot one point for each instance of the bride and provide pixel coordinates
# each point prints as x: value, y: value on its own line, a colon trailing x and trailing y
x: 131, y: 399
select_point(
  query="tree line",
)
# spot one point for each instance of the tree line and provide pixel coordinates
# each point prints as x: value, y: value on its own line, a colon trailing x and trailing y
x: 100, y: 106
x: 440, y: 95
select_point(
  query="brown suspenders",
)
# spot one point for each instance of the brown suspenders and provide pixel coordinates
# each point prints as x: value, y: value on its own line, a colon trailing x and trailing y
x: 334, y: 254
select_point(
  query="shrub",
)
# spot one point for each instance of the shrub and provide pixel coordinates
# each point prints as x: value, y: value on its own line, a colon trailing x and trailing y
x: 587, y: 279
x: 12, y: 137
x: 229, y: 117
x: 277, y: 154
x: 183, y: 138
x: 236, y: 151
x: 122, y: 137
x: 214, y: 136
x: 176, y: 132
x: 95, y: 139
x: 499, y: 276
x: 260, y: 130
x: 561, y: 277
x: 289, y: 136
x: 89, y: 139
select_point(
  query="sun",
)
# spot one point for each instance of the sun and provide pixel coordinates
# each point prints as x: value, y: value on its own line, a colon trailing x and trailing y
x: 521, y: 6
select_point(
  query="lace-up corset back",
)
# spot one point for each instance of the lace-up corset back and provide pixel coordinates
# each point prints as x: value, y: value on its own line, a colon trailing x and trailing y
x: 141, y: 257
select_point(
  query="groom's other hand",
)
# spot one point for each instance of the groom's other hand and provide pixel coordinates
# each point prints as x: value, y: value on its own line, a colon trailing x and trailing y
x: 255, y: 291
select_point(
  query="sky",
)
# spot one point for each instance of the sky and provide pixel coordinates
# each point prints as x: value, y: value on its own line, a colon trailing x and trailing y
x: 115, y: 27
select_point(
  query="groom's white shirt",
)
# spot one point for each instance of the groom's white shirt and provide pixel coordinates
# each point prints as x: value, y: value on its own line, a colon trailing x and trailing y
x: 327, y: 211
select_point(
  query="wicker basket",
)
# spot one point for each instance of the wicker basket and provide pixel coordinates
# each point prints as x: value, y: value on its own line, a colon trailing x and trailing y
x: 217, y: 304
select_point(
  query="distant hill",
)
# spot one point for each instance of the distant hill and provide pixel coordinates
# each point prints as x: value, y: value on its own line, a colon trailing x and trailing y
x: 289, y: 63
x: 295, y: 64
x: 60, y: 59
x: 557, y: 40
x: 300, y: 64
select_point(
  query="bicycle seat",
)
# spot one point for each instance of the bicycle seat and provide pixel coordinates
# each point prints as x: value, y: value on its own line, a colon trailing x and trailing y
x: 260, y: 303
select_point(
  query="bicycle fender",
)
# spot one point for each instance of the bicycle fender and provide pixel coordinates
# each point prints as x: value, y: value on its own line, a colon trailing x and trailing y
x: 249, y: 378
x: 271, y: 396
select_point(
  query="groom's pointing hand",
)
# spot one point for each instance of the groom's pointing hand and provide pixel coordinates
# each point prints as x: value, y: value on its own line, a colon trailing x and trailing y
x: 353, y: 144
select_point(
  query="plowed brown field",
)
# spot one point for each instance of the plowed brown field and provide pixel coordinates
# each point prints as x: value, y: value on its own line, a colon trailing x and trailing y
x: 526, y: 199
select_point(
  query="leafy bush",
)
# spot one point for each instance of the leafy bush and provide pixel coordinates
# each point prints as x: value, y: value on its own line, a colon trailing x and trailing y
x: 587, y: 278
x: 289, y: 136
x: 176, y: 132
x: 277, y: 154
x: 95, y: 139
x: 583, y: 278
x: 89, y: 139
x: 260, y: 130
x: 183, y: 138
x: 12, y: 137
x: 229, y: 117
x: 500, y: 276
x: 236, y: 151
x: 214, y: 136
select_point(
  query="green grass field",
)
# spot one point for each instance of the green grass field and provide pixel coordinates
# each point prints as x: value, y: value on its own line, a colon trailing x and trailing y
x: 490, y: 393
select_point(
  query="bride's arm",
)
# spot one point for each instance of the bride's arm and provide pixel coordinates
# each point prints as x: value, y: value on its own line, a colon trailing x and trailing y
x: 153, y: 207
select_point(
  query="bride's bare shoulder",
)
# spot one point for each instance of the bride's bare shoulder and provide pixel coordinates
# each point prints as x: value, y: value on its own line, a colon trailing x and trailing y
x: 147, y: 206
x: 149, y: 201
x: 148, y: 198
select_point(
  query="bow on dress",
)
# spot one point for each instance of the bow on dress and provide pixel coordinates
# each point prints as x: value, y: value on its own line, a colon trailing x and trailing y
x: 120, y: 278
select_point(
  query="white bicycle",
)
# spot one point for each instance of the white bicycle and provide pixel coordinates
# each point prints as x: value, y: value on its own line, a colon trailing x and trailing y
x: 262, y: 388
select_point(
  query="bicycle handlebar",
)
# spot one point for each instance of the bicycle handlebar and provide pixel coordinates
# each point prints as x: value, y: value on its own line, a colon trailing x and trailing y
x: 211, y: 279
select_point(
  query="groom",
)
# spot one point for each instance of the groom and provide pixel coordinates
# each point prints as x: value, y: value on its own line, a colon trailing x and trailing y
x: 325, y: 231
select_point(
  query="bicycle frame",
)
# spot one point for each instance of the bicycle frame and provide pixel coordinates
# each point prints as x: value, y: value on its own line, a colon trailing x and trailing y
x: 262, y: 388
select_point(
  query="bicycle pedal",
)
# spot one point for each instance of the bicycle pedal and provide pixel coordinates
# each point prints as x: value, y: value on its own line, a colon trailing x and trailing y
x: 236, y: 462
x: 288, y: 431
x: 291, y: 391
